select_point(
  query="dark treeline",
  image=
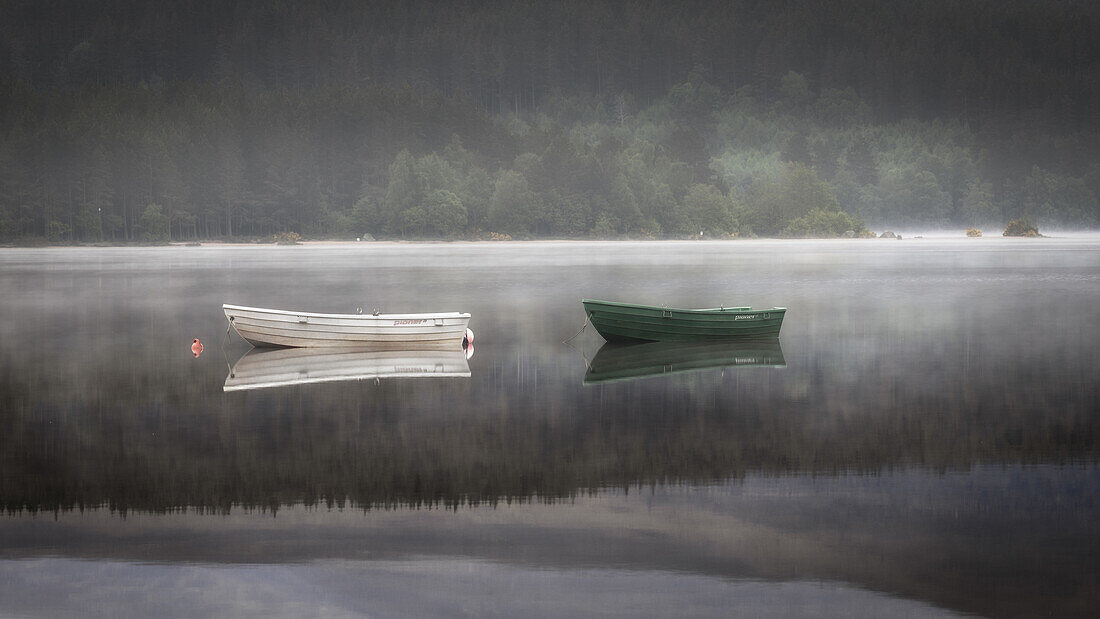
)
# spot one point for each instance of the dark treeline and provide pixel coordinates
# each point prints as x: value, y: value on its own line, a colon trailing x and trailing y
x: 164, y: 120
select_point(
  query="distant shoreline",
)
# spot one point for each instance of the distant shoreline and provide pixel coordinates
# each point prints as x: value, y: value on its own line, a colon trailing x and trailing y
x: 936, y: 236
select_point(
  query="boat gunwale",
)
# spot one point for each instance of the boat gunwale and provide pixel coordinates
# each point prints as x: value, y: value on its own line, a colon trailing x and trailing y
x: 263, y: 333
x: 278, y: 312
x: 711, y: 310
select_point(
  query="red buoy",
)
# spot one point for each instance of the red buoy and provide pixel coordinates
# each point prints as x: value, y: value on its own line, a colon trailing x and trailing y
x: 196, y: 348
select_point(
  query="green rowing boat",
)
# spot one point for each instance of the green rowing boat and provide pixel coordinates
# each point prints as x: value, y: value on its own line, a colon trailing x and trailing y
x: 630, y: 322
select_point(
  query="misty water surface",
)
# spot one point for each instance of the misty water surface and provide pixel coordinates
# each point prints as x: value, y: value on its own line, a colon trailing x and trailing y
x: 922, y: 440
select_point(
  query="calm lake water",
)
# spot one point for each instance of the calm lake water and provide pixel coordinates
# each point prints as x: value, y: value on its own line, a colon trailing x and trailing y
x: 923, y: 440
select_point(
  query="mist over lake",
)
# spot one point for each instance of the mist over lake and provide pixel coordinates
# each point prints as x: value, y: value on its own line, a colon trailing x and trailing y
x: 921, y: 440
x: 846, y: 254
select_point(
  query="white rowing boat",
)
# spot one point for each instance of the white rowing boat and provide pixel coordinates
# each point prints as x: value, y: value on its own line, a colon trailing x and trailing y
x: 260, y: 369
x: 271, y: 327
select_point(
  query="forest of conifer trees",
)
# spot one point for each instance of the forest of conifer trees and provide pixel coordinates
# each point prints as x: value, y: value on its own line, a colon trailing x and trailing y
x: 177, y: 121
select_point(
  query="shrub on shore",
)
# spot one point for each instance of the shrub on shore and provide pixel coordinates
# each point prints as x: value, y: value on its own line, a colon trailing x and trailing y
x: 287, y: 238
x: 1021, y: 227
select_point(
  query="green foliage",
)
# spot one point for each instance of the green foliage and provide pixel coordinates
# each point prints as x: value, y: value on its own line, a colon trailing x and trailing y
x: 236, y: 135
x: 774, y: 202
x: 860, y: 161
x: 740, y: 168
x: 422, y: 196
x: 217, y: 171
x: 694, y: 99
x: 444, y: 214
x: 57, y: 231
x: 820, y: 223
x: 604, y: 227
x: 977, y: 202
x: 153, y: 224
x: 87, y: 223
x: 915, y: 195
x: 707, y: 210
x: 1052, y: 196
x: 797, y: 150
x: 512, y: 203
x: 331, y: 221
x: 7, y: 227
x: 367, y: 214
x: 404, y: 192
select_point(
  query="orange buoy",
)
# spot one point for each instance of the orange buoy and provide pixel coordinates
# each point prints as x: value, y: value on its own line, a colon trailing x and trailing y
x: 196, y: 348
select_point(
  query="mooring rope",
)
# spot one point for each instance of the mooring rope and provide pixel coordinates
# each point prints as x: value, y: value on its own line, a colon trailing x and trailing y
x: 587, y: 363
x: 586, y: 318
x: 225, y: 356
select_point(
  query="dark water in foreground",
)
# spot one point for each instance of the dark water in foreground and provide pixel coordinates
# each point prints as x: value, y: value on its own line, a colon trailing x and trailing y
x: 922, y: 441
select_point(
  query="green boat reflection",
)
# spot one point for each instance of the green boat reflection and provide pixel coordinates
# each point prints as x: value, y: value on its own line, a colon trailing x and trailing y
x: 618, y: 362
x: 262, y: 368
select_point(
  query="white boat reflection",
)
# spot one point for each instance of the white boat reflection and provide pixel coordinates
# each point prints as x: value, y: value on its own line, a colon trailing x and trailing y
x: 263, y: 368
x: 615, y: 362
